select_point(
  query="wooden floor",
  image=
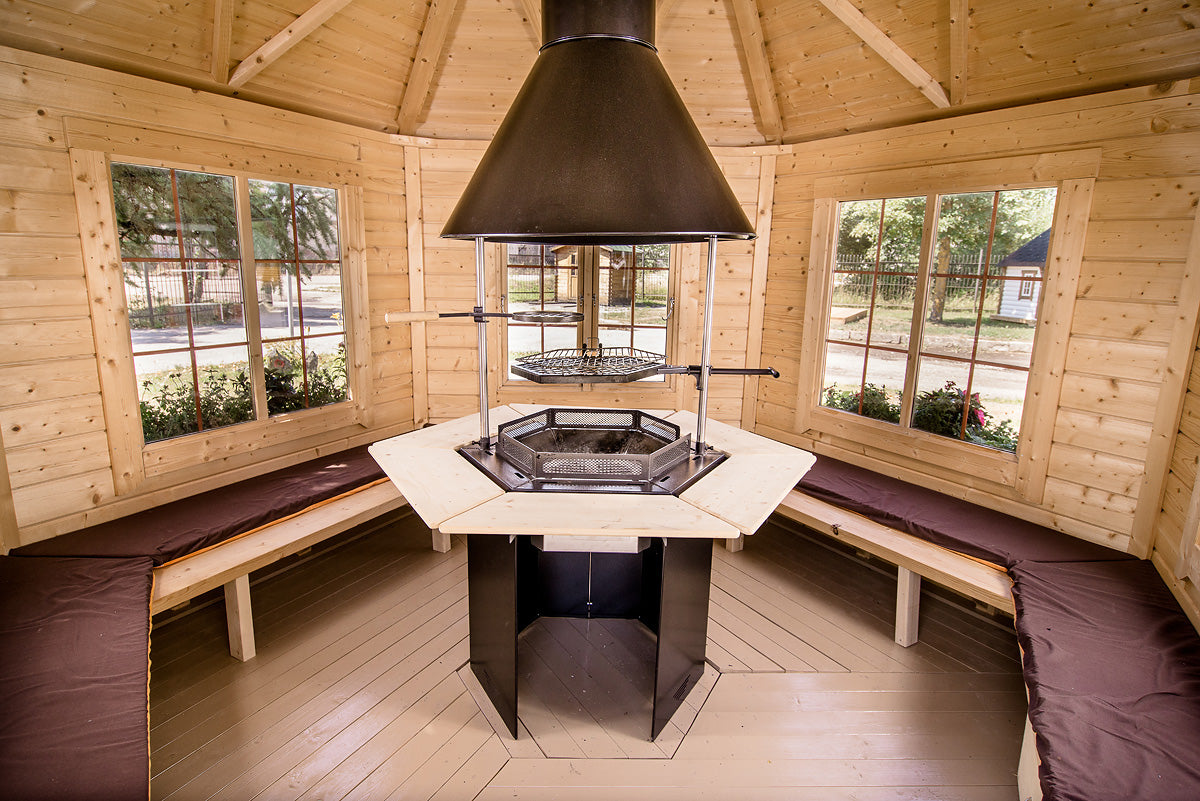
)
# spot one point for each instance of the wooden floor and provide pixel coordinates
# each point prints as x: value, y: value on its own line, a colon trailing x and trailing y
x: 357, y: 690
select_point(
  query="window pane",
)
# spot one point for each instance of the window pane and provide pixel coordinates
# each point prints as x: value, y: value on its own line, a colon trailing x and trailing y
x: 938, y: 406
x: 166, y: 395
x: 325, y: 358
x: 316, y: 222
x: 145, y: 211
x: 225, y: 394
x: 321, y: 298
x: 843, y: 376
x: 209, y: 223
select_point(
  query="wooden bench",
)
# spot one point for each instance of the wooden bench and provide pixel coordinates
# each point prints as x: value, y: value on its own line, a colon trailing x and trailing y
x: 230, y: 563
x: 1111, y: 663
x: 914, y: 558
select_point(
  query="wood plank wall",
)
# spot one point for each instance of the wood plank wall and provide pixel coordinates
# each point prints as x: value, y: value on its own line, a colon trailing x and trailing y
x: 50, y: 410
x: 451, y: 377
x: 1114, y: 423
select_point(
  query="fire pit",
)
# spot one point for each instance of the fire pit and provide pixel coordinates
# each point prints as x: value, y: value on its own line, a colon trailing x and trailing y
x: 592, y: 450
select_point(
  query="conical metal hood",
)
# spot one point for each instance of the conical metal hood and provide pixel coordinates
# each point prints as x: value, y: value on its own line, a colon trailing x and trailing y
x: 598, y: 147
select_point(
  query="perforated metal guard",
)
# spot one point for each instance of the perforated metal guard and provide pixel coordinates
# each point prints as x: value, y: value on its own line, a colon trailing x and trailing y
x: 646, y: 446
x: 589, y: 365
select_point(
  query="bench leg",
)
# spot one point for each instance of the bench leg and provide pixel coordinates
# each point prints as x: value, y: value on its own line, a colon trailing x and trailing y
x: 239, y: 618
x: 908, y: 605
x: 441, y: 541
x: 736, y: 544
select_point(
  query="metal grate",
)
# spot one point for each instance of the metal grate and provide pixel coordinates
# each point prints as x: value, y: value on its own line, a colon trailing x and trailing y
x: 589, y: 365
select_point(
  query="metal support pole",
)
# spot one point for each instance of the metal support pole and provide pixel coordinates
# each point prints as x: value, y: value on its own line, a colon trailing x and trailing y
x: 710, y: 281
x: 481, y: 325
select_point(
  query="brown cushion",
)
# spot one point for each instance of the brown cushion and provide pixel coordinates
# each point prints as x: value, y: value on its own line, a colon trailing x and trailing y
x: 1113, y: 669
x: 74, y: 668
x: 176, y: 529
x: 943, y: 520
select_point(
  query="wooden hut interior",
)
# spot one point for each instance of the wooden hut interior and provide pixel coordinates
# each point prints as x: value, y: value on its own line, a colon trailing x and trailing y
x: 934, y: 416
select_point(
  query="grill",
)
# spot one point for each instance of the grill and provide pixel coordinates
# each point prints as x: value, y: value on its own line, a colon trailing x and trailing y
x: 589, y: 365
x: 592, y: 450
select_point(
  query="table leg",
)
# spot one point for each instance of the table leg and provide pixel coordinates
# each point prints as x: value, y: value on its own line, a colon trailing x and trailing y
x: 492, y: 610
x: 682, y: 624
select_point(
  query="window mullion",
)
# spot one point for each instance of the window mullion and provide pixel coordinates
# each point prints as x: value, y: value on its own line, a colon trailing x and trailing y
x: 921, y: 293
x: 258, y: 379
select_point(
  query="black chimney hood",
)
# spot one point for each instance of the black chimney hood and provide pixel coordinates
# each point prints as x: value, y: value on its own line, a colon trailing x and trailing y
x: 597, y: 147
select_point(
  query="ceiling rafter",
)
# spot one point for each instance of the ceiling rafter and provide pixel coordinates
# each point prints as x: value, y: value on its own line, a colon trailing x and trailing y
x: 222, y: 40
x: 960, y: 49
x: 429, y: 53
x: 531, y: 11
x: 285, y: 40
x: 888, y: 50
x: 762, y: 81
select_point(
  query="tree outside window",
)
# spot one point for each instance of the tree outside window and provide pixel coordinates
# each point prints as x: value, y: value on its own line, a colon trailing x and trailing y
x: 193, y: 334
x: 931, y: 343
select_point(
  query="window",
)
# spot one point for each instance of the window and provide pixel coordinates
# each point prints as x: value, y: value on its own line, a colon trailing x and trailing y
x: 622, y: 290
x: 235, y: 296
x: 929, y: 305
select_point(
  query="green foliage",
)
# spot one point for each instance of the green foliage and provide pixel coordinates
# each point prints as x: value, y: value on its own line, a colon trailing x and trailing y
x: 938, y: 411
x: 871, y: 402
x: 168, y: 405
x: 285, y: 380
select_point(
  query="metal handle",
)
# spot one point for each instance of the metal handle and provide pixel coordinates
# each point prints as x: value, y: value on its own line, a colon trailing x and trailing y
x: 410, y: 317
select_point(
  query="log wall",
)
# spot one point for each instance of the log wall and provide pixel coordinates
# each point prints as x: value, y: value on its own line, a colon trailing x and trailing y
x: 55, y: 434
x: 1114, y: 423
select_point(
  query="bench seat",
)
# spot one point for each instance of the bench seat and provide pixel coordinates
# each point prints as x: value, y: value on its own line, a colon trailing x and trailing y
x: 74, y: 674
x: 1111, y: 662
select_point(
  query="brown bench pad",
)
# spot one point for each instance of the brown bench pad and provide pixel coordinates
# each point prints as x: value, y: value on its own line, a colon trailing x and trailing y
x: 74, y: 672
x: 944, y: 520
x: 181, y: 527
x: 1113, y: 669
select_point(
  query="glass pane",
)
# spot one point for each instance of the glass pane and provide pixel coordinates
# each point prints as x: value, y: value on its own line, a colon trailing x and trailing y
x: 278, y: 300
x: 938, y: 406
x: 653, y: 340
x: 321, y: 297
x: 145, y: 211
x: 316, y: 222
x: 215, y: 289
x: 154, y: 293
x: 271, y: 220
x: 283, y: 364
x: 206, y: 208
x: 166, y: 395
x: 325, y: 358
x: 903, y: 221
x: 962, y: 240
x: 884, y: 385
x: 953, y: 311
x: 225, y: 394
x: 1001, y: 395
x: 843, y: 376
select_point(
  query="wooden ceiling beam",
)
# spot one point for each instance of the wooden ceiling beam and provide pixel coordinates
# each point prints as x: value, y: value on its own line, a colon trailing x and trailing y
x: 960, y: 49
x: 429, y: 53
x: 888, y: 50
x: 222, y: 40
x: 531, y: 11
x: 762, y: 81
x: 285, y: 40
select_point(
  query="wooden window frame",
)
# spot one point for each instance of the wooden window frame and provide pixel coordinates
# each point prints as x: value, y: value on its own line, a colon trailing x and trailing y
x: 1073, y: 174
x: 135, y: 462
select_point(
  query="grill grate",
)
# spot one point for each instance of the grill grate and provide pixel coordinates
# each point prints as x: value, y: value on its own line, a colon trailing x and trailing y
x: 589, y: 365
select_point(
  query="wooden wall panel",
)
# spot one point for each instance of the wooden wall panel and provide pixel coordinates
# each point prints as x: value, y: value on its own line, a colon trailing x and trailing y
x: 53, y: 422
x: 1126, y: 315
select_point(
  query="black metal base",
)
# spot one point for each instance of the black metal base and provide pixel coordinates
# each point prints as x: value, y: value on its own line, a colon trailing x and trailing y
x: 511, y: 584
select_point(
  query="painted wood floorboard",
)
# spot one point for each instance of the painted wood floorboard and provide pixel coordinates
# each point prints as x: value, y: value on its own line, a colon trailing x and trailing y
x: 360, y: 690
